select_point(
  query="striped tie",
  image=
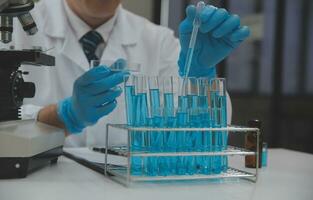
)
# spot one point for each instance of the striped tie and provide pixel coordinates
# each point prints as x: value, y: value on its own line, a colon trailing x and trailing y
x: 90, y: 42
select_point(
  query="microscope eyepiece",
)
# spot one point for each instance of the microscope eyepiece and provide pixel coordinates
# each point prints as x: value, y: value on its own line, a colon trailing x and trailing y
x: 19, y: 9
x: 6, y: 28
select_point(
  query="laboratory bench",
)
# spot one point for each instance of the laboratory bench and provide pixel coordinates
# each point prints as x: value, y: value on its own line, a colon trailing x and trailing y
x: 289, y: 175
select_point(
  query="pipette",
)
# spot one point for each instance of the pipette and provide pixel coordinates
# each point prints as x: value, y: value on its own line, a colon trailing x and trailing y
x: 192, y: 43
x: 193, y: 38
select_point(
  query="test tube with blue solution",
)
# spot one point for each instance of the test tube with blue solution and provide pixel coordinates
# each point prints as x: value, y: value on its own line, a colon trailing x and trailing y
x: 264, y: 154
x: 193, y: 139
x: 140, y: 110
x: 206, y: 122
x: 130, y: 100
x: 129, y: 88
x: 182, y: 122
x: 222, y: 98
x: 223, y: 107
x: 155, y: 165
x: 170, y: 121
x: 219, y: 116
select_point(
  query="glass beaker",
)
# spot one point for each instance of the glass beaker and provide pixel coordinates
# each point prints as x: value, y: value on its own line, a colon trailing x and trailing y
x: 117, y: 65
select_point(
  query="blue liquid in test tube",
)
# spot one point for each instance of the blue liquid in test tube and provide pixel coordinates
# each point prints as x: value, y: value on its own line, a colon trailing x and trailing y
x: 131, y: 106
x: 219, y: 115
x: 206, y: 122
x: 223, y: 106
x: 193, y: 138
x: 141, y: 120
x: 137, y: 109
x: 182, y: 122
x: 158, y: 138
x: 170, y: 137
x: 264, y: 155
x: 216, y: 139
x: 155, y: 102
x: 158, y: 122
x: 129, y: 96
x: 195, y: 122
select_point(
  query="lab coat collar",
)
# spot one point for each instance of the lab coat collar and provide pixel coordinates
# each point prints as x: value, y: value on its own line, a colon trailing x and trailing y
x: 55, y: 21
x: 128, y: 28
x: 126, y: 31
x: 56, y: 25
x: 76, y: 56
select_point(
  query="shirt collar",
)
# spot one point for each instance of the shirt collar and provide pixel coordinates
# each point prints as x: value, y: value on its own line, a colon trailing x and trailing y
x: 80, y: 28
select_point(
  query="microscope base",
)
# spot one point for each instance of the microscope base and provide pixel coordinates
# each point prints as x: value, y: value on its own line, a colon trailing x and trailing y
x: 27, y: 145
x: 20, y: 167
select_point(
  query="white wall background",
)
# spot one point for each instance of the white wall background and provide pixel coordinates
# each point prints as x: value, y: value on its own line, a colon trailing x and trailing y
x: 140, y: 7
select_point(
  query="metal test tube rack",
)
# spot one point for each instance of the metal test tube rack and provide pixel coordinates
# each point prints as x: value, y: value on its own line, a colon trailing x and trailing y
x: 122, y: 174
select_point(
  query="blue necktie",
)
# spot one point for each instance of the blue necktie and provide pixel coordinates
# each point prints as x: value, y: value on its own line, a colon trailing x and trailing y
x: 90, y: 42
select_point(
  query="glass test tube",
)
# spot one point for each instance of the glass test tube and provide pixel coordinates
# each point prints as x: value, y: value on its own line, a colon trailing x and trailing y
x: 129, y: 88
x: 219, y: 117
x: 155, y: 165
x: 140, y: 120
x: 170, y: 121
x: 194, y: 122
x: 130, y: 101
x: 206, y: 122
x: 182, y: 122
x: 264, y: 154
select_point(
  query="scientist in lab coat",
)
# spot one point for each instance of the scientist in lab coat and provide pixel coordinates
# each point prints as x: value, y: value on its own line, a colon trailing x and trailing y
x: 82, y: 101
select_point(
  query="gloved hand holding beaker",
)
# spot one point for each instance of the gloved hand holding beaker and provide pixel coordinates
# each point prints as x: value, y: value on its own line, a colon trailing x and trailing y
x: 94, y: 96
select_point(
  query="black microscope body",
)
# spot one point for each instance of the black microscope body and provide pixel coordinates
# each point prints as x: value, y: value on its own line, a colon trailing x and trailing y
x: 13, y: 88
x: 25, y: 145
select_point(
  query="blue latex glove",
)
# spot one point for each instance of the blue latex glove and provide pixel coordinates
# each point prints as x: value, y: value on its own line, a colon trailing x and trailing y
x: 94, y: 96
x: 219, y: 33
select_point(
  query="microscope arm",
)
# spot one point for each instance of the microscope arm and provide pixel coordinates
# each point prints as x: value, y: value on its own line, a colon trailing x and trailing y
x: 4, y: 4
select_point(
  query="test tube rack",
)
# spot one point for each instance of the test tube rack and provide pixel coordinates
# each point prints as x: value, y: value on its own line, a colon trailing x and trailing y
x: 122, y: 173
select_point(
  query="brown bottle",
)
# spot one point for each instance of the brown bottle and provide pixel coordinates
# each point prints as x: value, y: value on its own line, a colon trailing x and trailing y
x: 251, y: 144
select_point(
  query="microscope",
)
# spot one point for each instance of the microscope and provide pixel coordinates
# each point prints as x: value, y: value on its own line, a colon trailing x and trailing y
x: 25, y: 145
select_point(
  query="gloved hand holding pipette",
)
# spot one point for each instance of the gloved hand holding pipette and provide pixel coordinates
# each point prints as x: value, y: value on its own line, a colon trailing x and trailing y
x: 219, y: 33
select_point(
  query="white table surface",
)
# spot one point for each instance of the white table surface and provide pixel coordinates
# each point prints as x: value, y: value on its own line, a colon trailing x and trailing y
x: 288, y: 176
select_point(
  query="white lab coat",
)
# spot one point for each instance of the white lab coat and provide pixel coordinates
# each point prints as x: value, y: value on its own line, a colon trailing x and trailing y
x: 133, y: 38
